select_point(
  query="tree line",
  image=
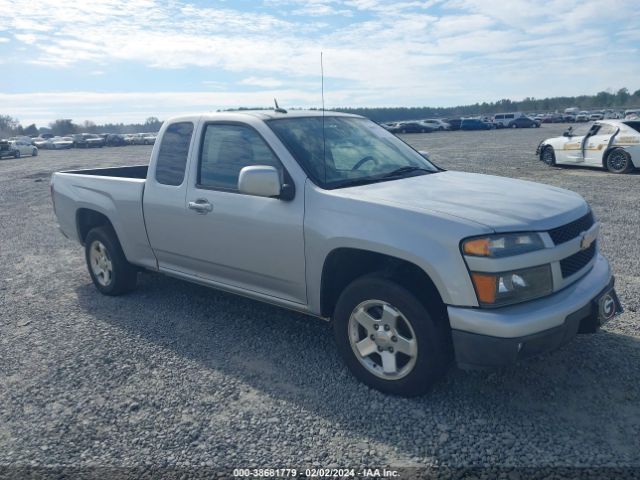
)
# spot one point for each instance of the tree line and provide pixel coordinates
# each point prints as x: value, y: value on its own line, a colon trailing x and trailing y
x: 10, y: 126
x: 621, y: 99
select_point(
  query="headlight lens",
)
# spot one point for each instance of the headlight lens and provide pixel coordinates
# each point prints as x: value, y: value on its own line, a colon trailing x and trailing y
x: 506, y: 245
x: 499, y: 289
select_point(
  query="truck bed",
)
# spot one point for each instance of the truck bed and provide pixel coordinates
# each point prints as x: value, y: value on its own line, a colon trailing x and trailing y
x: 114, y: 192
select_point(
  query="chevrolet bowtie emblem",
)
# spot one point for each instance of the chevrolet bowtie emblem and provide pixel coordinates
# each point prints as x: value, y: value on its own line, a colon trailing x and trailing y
x: 587, y: 239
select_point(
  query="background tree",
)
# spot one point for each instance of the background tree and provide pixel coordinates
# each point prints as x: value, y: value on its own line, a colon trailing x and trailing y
x: 31, y: 130
x: 152, y: 124
x: 63, y: 126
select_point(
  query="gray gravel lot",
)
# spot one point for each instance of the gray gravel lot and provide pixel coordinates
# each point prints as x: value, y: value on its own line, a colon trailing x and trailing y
x: 180, y: 375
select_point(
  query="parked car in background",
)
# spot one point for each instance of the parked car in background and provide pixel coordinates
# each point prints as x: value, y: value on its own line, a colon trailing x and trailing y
x: 58, y: 143
x: 610, y: 144
x: 436, y: 124
x: 475, y: 124
x: 115, y: 140
x: 524, y: 122
x: 5, y: 149
x: 148, y: 138
x: 583, y: 116
x: 39, y: 142
x: 596, y: 116
x: 129, y: 138
x: 502, y: 120
x: 569, y: 118
x: 413, y: 127
x: 21, y: 147
x: 632, y: 114
x: 454, y: 123
x: 87, y: 140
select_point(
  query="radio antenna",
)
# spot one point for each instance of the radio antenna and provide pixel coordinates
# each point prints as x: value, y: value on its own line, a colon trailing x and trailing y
x: 324, y: 140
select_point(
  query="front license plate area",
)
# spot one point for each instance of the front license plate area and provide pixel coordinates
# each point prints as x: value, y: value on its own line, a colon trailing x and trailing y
x: 607, y: 306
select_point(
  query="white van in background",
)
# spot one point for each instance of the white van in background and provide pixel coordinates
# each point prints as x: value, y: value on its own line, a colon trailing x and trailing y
x: 502, y: 120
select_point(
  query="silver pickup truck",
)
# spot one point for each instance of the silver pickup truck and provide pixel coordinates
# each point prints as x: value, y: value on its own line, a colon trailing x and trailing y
x: 333, y: 216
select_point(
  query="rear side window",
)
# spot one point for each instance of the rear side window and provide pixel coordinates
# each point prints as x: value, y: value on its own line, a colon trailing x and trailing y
x: 634, y: 125
x: 172, y: 157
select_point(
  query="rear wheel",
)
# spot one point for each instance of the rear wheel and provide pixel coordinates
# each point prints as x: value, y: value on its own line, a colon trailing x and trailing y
x: 110, y: 271
x: 548, y: 156
x: 34, y: 152
x: 388, y: 338
x: 618, y: 161
x: 16, y: 154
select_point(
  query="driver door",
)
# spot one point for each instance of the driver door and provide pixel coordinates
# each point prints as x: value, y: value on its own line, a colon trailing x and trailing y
x: 596, y: 144
x: 572, y: 150
x: 254, y: 243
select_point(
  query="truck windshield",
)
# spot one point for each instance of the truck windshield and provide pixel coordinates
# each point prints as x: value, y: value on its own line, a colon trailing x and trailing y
x: 350, y: 151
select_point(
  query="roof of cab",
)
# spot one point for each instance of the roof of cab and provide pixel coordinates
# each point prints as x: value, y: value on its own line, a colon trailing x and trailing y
x: 260, y: 114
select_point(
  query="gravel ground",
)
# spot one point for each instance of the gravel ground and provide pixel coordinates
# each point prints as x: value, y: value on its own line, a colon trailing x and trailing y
x: 177, y: 375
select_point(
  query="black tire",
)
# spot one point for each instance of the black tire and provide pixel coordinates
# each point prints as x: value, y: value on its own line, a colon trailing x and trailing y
x: 34, y: 152
x: 433, y: 356
x: 123, y: 276
x: 16, y: 154
x: 548, y: 156
x: 618, y: 161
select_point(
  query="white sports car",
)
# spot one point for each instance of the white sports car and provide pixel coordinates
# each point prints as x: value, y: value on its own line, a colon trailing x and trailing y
x: 610, y: 144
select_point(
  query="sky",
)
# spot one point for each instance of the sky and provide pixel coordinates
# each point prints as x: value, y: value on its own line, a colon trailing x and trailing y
x: 126, y: 60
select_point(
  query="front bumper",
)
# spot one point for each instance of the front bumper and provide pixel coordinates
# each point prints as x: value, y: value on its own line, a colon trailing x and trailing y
x: 491, y: 338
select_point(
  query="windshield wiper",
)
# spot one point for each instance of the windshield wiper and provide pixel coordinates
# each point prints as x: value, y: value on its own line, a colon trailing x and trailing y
x: 398, y: 172
x: 408, y: 169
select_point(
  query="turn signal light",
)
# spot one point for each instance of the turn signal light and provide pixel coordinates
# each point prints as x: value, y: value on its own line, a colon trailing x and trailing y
x: 486, y: 287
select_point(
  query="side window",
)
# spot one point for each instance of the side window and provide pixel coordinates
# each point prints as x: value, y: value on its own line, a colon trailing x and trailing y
x: 606, y: 130
x: 226, y: 149
x: 172, y: 157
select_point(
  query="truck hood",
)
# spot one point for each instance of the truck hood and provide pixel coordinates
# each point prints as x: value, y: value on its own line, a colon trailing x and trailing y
x: 499, y: 203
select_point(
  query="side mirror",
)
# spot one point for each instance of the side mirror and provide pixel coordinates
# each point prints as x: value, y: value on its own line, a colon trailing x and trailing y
x: 260, y: 180
x: 568, y: 133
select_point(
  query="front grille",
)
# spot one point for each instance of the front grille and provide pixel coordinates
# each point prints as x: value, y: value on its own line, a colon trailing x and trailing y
x: 577, y: 261
x: 571, y: 230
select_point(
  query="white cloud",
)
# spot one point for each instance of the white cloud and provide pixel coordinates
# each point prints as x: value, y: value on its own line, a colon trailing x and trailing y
x: 378, y: 53
x: 261, y: 82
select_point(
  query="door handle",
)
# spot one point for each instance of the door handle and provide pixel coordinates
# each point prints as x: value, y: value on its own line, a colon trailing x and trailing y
x: 201, y: 206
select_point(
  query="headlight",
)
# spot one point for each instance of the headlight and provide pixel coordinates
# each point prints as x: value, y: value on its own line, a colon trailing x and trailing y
x: 499, y: 289
x: 506, y: 245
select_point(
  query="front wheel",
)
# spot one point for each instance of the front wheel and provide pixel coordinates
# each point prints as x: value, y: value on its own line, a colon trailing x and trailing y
x: 548, y: 156
x: 388, y: 338
x: 619, y: 161
x: 34, y: 152
x: 16, y: 154
x: 110, y: 271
